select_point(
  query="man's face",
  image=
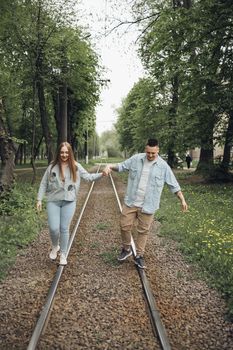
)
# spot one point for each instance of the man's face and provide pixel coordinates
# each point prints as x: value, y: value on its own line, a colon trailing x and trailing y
x: 152, y: 152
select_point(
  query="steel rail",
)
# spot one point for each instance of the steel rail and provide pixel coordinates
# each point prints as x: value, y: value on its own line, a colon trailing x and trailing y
x: 154, y: 315
x: 45, y: 313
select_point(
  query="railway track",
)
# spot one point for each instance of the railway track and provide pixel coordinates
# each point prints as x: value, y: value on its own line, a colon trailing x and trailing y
x: 158, y: 329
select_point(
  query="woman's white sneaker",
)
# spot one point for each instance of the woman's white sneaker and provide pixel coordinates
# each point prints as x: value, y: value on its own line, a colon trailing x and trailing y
x: 63, y: 260
x: 53, y: 253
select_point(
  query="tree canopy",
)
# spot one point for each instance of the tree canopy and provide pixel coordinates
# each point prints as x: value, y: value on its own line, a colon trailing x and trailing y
x: 186, y: 49
x: 49, y: 77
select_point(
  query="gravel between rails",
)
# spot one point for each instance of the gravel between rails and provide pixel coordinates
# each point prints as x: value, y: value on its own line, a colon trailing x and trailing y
x: 100, y: 303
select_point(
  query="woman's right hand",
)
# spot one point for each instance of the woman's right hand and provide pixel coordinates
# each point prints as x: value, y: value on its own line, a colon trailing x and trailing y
x: 39, y: 205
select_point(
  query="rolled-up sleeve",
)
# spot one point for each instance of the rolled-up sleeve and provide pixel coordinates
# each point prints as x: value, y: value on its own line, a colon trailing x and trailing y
x: 126, y: 165
x: 171, y: 181
x: 87, y: 176
x: 43, y: 185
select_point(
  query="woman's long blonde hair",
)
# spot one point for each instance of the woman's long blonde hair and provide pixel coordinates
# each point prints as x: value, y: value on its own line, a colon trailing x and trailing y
x: 71, y: 161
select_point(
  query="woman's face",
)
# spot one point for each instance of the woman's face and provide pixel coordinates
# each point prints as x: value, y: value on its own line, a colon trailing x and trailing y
x: 64, y: 154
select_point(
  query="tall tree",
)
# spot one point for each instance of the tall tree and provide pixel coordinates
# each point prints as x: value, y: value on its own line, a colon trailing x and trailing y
x: 38, y: 39
x: 7, y: 150
x: 184, y: 47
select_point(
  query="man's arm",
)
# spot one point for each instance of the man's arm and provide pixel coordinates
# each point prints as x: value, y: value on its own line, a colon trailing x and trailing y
x: 182, y: 200
x: 113, y: 167
x: 123, y: 166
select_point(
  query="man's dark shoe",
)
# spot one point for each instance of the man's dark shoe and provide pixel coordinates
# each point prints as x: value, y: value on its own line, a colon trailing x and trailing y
x: 139, y: 261
x: 124, y: 254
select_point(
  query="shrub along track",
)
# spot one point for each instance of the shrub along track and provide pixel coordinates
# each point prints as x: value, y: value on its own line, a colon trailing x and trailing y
x: 99, y: 303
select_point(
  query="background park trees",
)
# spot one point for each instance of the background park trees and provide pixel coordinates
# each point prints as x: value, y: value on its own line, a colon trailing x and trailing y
x: 186, y: 49
x: 50, y: 81
x: 49, y: 77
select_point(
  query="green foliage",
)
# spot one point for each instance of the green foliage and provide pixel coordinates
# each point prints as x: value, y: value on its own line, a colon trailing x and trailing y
x: 205, y: 232
x: 109, y: 143
x: 12, y: 201
x: 41, y: 42
x: 110, y: 257
x: 19, y: 224
x: 185, y: 102
x: 139, y: 118
x: 103, y: 226
x: 113, y: 160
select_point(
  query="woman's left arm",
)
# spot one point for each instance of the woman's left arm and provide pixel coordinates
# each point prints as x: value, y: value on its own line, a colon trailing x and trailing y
x: 87, y: 176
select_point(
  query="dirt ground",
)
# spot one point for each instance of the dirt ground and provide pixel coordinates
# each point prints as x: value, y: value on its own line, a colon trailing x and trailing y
x: 100, y: 303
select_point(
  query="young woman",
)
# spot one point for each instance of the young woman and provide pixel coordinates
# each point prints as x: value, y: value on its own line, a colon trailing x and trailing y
x: 60, y: 184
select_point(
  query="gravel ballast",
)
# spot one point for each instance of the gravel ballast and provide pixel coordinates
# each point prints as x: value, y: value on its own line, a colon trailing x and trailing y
x: 99, y: 304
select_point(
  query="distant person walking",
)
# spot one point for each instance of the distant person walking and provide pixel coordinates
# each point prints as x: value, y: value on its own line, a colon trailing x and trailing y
x: 147, y: 174
x: 60, y: 184
x: 188, y: 160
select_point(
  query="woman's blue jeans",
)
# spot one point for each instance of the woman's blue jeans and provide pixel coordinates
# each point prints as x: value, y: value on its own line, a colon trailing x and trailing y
x: 59, y: 218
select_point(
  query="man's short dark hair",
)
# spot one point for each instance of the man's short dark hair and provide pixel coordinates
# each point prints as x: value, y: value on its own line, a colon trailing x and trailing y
x: 152, y: 142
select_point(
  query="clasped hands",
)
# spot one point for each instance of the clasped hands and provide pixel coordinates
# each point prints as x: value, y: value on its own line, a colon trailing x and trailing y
x: 107, y: 170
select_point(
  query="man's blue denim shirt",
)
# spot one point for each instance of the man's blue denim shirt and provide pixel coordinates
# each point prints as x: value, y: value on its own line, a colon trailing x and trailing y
x: 160, y: 174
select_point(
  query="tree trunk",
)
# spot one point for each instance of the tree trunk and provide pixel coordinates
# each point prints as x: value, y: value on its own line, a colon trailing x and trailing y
x: 33, y: 150
x: 225, y: 165
x: 18, y: 154
x: 172, y: 122
x: 205, y: 164
x: 206, y: 160
x: 7, y: 151
x: 24, y: 153
x: 175, y: 99
x: 70, y: 131
x: 63, y: 97
x: 60, y: 100
x: 63, y: 112
x: 187, y: 4
x: 86, y: 146
x: 44, y: 118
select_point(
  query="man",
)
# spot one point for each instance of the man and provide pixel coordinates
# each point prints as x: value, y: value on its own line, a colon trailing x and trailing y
x: 147, y: 174
x: 188, y: 160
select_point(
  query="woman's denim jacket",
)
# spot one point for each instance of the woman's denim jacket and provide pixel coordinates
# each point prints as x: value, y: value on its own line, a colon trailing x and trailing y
x: 55, y: 189
x: 160, y: 174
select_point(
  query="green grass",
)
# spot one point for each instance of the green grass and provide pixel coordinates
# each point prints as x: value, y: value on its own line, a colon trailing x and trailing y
x: 110, y: 257
x: 19, y: 220
x: 205, y: 232
x: 19, y: 224
x: 113, y: 160
x: 39, y: 164
x: 103, y: 225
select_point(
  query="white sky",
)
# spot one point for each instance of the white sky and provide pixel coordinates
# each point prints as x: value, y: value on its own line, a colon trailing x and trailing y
x: 118, y: 54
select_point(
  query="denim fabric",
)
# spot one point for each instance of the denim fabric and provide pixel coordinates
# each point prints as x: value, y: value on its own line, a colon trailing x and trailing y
x: 60, y: 214
x: 56, y: 190
x: 160, y: 174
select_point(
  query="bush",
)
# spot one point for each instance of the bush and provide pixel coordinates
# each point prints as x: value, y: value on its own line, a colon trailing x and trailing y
x: 19, y: 224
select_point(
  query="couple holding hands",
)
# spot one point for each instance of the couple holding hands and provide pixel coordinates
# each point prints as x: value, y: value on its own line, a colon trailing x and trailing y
x: 148, y: 173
